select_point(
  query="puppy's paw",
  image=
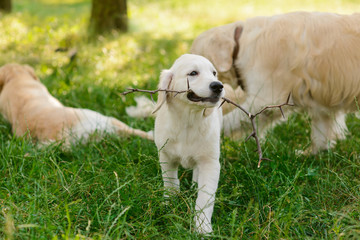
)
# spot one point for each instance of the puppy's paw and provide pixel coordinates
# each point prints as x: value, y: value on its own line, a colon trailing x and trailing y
x: 170, y: 192
x: 305, y: 152
x: 203, y: 225
x: 166, y: 201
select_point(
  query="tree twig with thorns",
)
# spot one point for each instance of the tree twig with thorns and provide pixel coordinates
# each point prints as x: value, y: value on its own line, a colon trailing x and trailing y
x: 253, y: 124
x: 152, y: 92
x: 250, y: 115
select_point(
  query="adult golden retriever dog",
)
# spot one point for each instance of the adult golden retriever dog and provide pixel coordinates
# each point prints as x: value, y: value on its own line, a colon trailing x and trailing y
x: 315, y: 57
x: 28, y: 106
x: 187, y: 130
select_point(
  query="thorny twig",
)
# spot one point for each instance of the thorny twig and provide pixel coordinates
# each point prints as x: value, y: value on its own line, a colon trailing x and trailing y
x: 250, y: 115
x: 152, y: 92
x: 253, y: 124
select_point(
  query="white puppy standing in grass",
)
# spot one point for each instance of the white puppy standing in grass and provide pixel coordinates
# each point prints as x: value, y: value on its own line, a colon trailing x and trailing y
x: 187, y: 130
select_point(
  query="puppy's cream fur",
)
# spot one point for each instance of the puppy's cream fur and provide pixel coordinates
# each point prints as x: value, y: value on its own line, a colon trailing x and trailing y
x: 313, y: 56
x: 187, y: 133
x: 28, y: 106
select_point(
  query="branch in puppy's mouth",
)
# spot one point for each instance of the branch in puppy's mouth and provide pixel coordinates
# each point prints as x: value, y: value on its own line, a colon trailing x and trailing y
x: 152, y: 92
x: 132, y: 90
x: 193, y: 97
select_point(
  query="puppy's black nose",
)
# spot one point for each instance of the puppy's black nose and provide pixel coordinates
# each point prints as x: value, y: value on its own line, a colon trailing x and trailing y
x: 216, y: 87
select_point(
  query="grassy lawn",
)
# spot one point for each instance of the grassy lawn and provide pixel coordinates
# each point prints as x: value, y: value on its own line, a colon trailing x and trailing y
x: 112, y: 189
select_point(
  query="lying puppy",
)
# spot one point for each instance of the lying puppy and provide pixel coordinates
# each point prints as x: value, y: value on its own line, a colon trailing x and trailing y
x: 28, y: 106
x: 313, y: 56
x: 187, y: 130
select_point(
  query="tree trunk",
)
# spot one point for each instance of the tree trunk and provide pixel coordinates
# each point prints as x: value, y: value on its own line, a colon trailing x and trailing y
x: 5, y: 6
x: 107, y: 15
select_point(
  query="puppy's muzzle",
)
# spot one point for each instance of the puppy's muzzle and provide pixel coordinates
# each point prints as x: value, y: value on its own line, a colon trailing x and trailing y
x: 216, y: 87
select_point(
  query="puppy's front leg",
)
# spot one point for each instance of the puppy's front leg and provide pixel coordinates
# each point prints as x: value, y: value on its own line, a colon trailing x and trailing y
x: 208, y: 178
x: 169, y: 170
x: 195, y: 175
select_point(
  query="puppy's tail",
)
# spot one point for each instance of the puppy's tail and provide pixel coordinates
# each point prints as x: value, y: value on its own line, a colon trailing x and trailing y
x: 123, y: 129
x: 144, y: 107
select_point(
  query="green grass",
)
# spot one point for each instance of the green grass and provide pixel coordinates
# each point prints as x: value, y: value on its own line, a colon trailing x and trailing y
x: 113, y: 189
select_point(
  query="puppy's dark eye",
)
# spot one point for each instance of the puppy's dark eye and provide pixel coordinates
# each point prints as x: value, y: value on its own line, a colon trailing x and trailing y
x: 214, y: 73
x: 193, y: 73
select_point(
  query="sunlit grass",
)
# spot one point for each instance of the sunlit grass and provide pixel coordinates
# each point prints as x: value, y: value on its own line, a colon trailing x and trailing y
x: 113, y: 189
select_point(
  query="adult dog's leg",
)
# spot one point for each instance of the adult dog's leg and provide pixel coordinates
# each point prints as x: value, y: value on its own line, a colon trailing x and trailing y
x: 169, y: 173
x: 340, y: 129
x: 322, y: 131
x: 208, y: 178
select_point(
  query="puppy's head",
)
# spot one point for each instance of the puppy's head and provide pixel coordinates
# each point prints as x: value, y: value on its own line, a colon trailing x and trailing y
x: 16, y: 71
x: 194, y: 74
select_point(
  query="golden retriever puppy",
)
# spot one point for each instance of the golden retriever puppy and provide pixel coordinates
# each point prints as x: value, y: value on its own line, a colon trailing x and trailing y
x: 28, y: 106
x: 315, y: 57
x: 187, y: 130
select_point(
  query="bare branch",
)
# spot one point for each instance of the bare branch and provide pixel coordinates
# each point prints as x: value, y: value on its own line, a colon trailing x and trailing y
x: 132, y: 90
x: 253, y: 124
x: 250, y: 115
x: 276, y: 106
x: 236, y: 105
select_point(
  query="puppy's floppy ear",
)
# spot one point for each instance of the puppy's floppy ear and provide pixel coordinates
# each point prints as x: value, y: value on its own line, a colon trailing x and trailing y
x: 165, y: 81
x: 219, y: 45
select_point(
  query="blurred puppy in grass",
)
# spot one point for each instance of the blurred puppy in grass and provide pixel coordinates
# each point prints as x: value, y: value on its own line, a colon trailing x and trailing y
x: 28, y: 106
x: 187, y: 130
